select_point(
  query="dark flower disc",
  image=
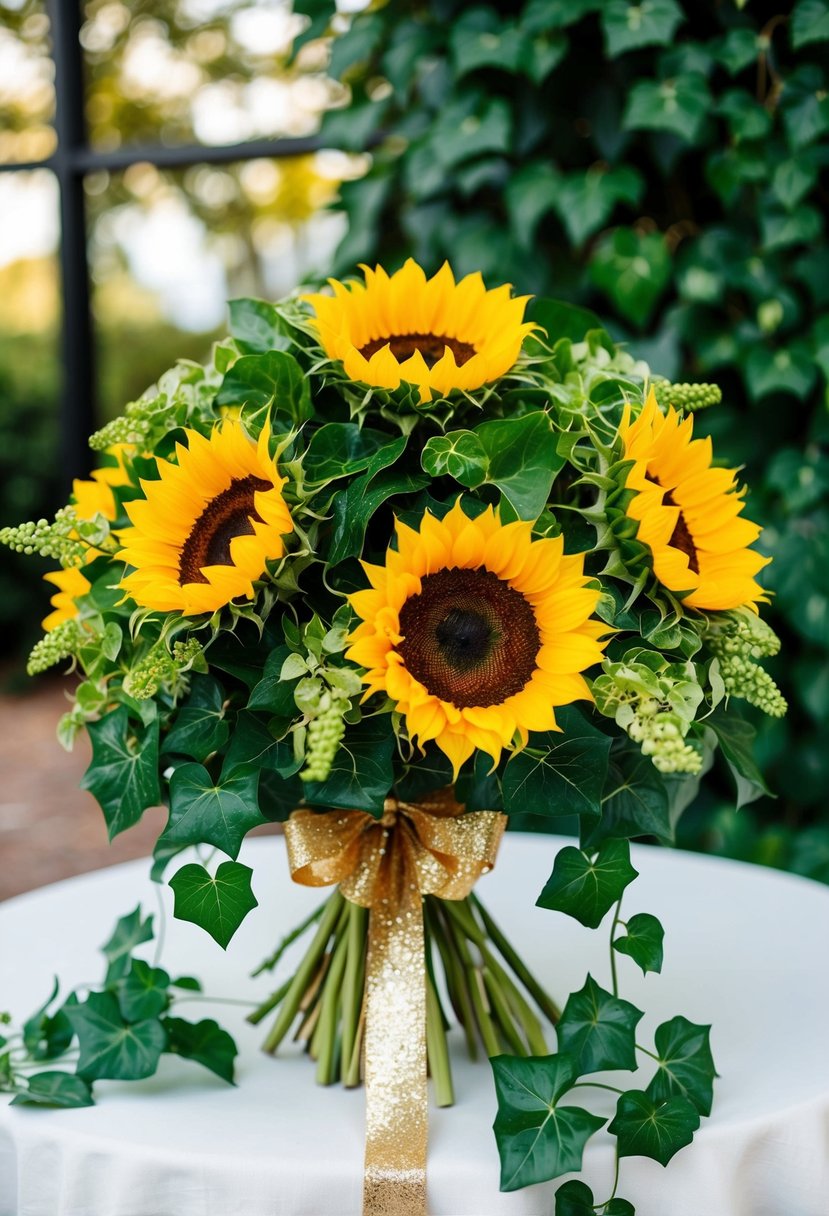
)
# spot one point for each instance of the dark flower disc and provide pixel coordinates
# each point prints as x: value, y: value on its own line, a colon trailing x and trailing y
x: 469, y: 637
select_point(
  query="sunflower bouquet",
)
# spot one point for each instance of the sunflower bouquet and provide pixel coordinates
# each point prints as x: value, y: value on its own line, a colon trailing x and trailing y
x: 408, y: 560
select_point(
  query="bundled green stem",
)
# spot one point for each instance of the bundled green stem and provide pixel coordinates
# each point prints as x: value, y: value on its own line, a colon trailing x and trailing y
x: 486, y: 982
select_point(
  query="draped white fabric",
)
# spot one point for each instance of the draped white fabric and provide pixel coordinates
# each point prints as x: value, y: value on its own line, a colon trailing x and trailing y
x: 745, y: 949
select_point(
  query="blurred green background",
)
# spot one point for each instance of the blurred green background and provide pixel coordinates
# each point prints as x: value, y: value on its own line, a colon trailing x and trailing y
x: 663, y: 163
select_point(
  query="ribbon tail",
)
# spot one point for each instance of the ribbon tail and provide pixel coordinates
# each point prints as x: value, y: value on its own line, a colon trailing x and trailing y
x: 395, y: 1060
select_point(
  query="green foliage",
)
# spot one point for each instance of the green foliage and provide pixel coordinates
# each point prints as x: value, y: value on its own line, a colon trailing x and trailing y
x: 650, y: 1127
x: 219, y: 902
x: 598, y: 1029
x: 642, y: 942
x: 586, y: 885
x: 118, y: 1031
x: 123, y: 774
x: 537, y: 1137
x: 579, y: 187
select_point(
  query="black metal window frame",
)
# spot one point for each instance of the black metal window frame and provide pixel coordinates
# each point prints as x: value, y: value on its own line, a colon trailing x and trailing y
x: 71, y: 161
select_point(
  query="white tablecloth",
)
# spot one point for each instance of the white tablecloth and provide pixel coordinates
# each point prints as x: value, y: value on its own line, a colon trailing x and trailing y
x: 745, y: 949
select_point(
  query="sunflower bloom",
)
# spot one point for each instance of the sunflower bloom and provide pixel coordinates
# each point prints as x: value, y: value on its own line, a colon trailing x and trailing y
x: 71, y: 585
x: 95, y: 497
x: 476, y: 631
x: 690, y: 514
x: 89, y: 498
x: 204, y: 531
x: 435, y: 333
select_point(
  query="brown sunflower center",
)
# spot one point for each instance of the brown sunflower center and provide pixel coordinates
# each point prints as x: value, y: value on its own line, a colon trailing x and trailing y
x: 229, y: 514
x: 431, y: 347
x: 469, y: 637
x: 681, y: 536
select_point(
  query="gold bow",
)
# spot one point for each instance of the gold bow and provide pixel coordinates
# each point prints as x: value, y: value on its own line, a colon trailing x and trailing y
x: 388, y: 865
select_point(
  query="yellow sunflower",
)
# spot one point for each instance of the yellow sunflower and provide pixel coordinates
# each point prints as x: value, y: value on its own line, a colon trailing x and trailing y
x: 89, y: 498
x: 690, y: 514
x: 476, y: 631
x: 71, y: 585
x: 435, y: 333
x: 95, y: 497
x: 204, y: 531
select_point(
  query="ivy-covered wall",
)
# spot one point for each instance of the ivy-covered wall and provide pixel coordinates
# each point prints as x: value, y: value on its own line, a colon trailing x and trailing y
x: 665, y: 164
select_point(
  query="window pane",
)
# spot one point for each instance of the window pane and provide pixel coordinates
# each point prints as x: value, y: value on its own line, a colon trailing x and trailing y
x: 27, y: 95
x: 169, y: 248
x: 209, y: 71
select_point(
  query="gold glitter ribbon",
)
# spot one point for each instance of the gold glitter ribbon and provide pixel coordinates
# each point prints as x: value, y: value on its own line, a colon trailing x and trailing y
x: 388, y: 865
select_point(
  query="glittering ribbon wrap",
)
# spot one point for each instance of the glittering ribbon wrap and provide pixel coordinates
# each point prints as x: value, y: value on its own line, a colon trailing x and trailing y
x: 388, y: 865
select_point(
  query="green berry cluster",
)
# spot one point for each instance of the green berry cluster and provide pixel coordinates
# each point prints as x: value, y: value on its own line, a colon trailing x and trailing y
x: 57, y: 539
x: 161, y: 668
x: 688, y: 397
x: 131, y: 427
x: 659, y: 733
x: 737, y: 644
x: 325, y: 733
x: 61, y: 643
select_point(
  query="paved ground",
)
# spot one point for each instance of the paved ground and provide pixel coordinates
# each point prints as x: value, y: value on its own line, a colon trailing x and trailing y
x: 49, y: 827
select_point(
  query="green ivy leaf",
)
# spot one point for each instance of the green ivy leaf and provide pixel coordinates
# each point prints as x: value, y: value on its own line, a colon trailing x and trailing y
x: 559, y: 773
x: 686, y: 1066
x: 218, y: 904
x: 805, y: 105
x: 679, y: 105
x: 598, y: 1029
x: 46, y: 1037
x: 587, y: 885
x: 633, y: 269
x: 204, y: 1042
x: 794, y: 178
x: 784, y: 228
x: 143, y: 994
x: 518, y: 455
x: 737, y: 49
x: 736, y: 739
x: 270, y: 381
x: 585, y: 200
x: 362, y: 773
x: 747, y: 119
x: 810, y: 23
x: 655, y: 1129
x: 628, y: 26
x: 530, y: 193
x: 642, y: 941
x: 635, y: 801
x: 258, y: 327
x: 123, y: 774
x: 790, y: 370
x: 200, y: 727
x: 273, y: 693
x: 540, y: 15
x: 130, y: 931
x: 538, y: 1139
x: 111, y: 1047
x: 478, y: 40
x: 576, y: 1199
x: 561, y: 320
x: 204, y: 811
x: 340, y: 449
x: 62, y: 1089
x: 253, y: 746
x: 354, y: 506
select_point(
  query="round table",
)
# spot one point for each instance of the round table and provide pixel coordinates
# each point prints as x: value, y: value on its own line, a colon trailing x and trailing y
x: 745, y: 949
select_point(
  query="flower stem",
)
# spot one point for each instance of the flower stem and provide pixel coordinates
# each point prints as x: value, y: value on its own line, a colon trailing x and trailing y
x: 456, y: 980
x: 305, y: 972
x: 273, y: 1000
x: 325, y: 1042
x: 544, y: 1002
x: 436, y: 1047
x: 353, y: 985
x: 270, y: 962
